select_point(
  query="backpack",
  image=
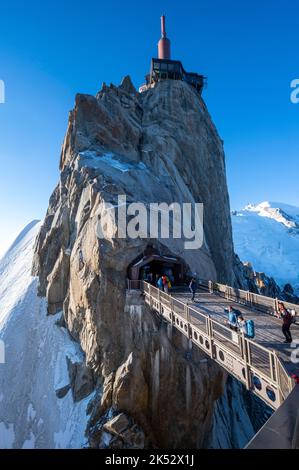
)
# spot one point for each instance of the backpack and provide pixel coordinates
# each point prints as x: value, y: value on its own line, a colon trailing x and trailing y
x: 232, y: 318
x: 250, y: 328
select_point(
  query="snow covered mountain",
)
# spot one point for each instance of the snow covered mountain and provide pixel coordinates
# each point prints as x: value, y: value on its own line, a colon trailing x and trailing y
x: 34, y: 366
x: 267, y: 235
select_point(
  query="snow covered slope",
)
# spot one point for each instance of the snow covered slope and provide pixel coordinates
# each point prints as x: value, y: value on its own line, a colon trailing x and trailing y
x: 31, y: 416
x: 267, y: 235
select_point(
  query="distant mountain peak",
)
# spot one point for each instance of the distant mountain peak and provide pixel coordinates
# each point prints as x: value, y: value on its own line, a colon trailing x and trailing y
x: 267, y: 235
x: 257, y: 207
x: 284, y: 214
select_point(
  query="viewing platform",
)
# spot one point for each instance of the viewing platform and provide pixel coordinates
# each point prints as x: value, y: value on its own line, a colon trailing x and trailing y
x: 263, y: 364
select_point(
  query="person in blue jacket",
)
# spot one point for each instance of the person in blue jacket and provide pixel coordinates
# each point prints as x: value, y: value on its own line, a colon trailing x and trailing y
x: 160, y: 283
x: 233, y: 315
x: 193, y: 287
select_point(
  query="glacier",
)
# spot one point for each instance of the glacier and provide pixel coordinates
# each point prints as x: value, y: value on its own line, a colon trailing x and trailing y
x: 31, y: 415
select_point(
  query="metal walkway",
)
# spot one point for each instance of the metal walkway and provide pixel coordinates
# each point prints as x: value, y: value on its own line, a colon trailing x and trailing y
x: 263, y: 365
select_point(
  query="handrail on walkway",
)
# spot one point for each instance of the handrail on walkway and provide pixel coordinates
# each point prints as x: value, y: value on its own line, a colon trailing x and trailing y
x: 258, y: 302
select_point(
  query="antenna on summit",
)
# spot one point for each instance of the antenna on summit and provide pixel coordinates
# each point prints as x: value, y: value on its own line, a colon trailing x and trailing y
x: 164, y: 68
x: 164, y: 43
x: 163, y: 28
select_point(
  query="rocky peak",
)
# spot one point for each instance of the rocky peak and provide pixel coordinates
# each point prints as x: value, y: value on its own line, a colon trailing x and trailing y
x: 169, y: 130
x: 158, y: 146
x: 127, y: 85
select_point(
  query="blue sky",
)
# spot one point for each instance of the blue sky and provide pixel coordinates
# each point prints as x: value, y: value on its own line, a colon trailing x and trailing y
x: 51, y: 50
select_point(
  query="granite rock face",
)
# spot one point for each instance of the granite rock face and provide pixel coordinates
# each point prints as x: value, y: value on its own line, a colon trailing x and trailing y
x: 159, y: 146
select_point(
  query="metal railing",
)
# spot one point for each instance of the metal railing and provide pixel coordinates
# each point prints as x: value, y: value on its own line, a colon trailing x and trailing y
x: 258, y: 368
x: 258, y: 302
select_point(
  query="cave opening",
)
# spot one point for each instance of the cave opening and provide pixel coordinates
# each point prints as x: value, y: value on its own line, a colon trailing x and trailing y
x: 151, y: 265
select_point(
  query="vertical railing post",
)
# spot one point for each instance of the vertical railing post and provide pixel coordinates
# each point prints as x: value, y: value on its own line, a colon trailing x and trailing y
x: 227, y: 292
x: 210, y: 333
x: 187, y: 313
x: 248, y: 352
x: 241, y: 344
x: 278, y: 378
x: 171, y: 306
x: 276, y: 305
x: 185, y: 310
x: 273, y: 370
x: 248, y: 298
x: 208, y: 326
x: 159, y: 302
x: 247, y: 360
x: 150, y: 295
x: 189, y: 321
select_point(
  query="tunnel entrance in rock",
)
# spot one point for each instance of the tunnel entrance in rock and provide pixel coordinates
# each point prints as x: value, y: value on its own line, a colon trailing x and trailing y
x: 151, y: 265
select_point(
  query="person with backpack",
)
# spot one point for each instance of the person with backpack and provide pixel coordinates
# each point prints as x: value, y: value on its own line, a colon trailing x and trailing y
x: 242, y: 325
x: 246, y: 326
x: 192, y: 288
x: 287, y: 320
x: 233, y: 315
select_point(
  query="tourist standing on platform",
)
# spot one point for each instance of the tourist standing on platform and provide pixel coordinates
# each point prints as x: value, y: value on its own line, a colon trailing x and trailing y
x: 165, y: 281
x: 193, y: 288
x: 233, y: 315
x: 242, y: 325
x: 160, y: 283
x: 287, y: 320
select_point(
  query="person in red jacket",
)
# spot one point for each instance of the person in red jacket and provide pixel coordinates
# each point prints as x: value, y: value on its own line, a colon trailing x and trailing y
x: 165, y: 281
x: 286, y: 322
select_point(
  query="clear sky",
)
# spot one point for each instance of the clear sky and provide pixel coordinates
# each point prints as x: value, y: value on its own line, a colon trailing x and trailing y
x: 51, y: 50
